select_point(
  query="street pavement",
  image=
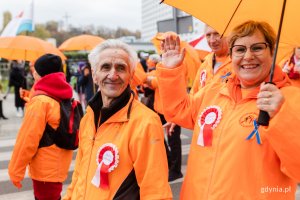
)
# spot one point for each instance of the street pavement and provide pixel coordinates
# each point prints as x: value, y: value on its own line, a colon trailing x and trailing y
x: 8, y: 131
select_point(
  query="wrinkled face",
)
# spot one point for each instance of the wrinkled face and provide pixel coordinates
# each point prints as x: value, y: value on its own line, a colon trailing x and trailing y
x: 112, y: 75
x: 252, y: 69
x: 214, y: 40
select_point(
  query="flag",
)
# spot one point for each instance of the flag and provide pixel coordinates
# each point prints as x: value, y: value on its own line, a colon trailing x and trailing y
x: 22, y: 22
x: 200, y: 43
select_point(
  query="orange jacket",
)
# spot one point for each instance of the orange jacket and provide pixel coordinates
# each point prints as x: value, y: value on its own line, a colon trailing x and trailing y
x: 49, y: 164
x: 233, y: 167
x: 45, y: 164
x: 205, y: 73
x: 140, y: 143
x: 139, y: 77
x: 154, y: 84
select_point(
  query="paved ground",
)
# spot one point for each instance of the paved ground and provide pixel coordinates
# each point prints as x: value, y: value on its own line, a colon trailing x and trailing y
x: 8, y: 132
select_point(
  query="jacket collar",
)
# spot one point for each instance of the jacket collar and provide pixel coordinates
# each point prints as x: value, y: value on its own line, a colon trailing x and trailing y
x: 233, y: 86
x: 117, y: 104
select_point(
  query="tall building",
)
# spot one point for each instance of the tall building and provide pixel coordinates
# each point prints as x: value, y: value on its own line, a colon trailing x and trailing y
x: 161, y: 18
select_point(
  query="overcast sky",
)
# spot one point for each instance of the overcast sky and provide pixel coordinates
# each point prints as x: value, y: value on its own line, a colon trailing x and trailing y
x: 109, y: 13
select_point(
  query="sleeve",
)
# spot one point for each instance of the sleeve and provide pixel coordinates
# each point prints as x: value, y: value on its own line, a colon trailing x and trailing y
x: 70, y: 189
x: 28, y: 139
x: 150, y: 161
x: 283, y: 134
x: 175, y: 98
x: 154, y: 83
x: 196, y: 82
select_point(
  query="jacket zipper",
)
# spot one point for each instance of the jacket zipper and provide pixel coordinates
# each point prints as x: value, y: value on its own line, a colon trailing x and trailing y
x: 216, y: 153
x: 92, y: 147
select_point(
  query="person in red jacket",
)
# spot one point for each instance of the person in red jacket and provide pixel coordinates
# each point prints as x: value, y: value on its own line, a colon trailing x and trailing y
x: 48, y: 164
x: 232, y: 156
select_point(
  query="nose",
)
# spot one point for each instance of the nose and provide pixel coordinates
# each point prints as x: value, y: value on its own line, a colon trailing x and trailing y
x: 113, y: 75
x: 248, y: 54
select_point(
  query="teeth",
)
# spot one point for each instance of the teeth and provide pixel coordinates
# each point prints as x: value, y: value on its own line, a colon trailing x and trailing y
x: 249, y: 66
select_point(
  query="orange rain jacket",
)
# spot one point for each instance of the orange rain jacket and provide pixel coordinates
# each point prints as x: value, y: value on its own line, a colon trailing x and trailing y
x: 205, y: 73
x: 49, y: 164
x: 233, y: 167
x: 139, y: 77
x: 140, y: 143
x: 154, y: 84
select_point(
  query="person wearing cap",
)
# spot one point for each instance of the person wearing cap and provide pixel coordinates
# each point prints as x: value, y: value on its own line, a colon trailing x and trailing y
x: 48, y: 166
x: 121, y: 152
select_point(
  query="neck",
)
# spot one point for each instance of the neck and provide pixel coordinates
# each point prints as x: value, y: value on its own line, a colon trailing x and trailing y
x: 221, y: 53
x: 106, y: 101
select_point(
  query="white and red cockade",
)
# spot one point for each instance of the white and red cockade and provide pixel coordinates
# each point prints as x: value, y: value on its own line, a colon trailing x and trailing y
x: 107, y: 160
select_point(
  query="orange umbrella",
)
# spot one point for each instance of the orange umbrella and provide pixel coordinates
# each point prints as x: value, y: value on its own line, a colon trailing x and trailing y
x: 81, y: 42
x: 26, y: 48
x: 223, y: 16
x: 191, y: 59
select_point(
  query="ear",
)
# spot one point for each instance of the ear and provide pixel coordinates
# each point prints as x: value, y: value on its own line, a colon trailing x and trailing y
x: 95, y: 79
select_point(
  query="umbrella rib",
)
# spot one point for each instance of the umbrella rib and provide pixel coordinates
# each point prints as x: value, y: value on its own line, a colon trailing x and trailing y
x: 237, y: 7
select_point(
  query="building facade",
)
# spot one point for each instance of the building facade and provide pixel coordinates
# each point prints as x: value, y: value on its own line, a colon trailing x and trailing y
x: 158, y: 17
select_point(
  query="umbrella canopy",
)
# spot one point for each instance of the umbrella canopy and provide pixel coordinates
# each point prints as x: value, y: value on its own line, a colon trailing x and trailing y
x: 201, y: 46
x: 225, y: 15
x: 191, y: 58
x: 26, y: 48
x: 81, y: 42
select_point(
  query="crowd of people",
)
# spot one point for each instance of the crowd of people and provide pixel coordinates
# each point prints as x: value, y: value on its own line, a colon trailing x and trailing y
x: 128, y: 102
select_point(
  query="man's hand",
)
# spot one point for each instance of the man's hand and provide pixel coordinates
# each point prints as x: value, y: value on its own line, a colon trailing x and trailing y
x: 169, y: 128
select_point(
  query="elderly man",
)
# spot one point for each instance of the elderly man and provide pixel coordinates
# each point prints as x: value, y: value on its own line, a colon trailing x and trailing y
x: 121, y: 151
x: 217, y: 64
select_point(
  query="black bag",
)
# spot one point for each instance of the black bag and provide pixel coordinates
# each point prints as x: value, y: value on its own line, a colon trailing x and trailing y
x: 66, y: 134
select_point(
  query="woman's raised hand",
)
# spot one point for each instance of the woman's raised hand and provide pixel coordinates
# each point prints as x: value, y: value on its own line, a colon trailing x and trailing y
x: 172, y: 55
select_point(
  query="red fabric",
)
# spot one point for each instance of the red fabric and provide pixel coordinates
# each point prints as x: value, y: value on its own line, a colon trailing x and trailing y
x: 55, y: 85
x: 195, y: 42
x: 46, y: 190
x: 74, y: 104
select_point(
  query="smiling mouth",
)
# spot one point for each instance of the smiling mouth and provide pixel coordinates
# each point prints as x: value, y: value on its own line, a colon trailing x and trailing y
x: 252, y: 66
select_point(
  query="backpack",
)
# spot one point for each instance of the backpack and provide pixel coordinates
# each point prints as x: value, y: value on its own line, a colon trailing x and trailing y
x: 66, y: 134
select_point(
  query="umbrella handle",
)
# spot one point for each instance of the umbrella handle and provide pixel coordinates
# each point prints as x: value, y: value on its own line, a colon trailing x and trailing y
x: 264, y: 117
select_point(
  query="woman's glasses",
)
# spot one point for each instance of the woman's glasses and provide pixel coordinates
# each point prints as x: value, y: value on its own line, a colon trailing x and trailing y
x: 257, y: 49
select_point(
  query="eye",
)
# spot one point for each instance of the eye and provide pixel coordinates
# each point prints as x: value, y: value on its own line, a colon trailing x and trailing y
x: 239, y: 49
x: 105, y: 67
x: 257, y: 47
x: 121, y: 68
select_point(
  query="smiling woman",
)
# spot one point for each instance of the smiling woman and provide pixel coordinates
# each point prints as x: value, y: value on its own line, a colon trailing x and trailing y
x: 252, y: 66
x: 226, y: 136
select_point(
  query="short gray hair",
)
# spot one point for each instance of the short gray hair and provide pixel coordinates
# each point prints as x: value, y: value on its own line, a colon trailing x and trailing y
x: 113, y: 44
